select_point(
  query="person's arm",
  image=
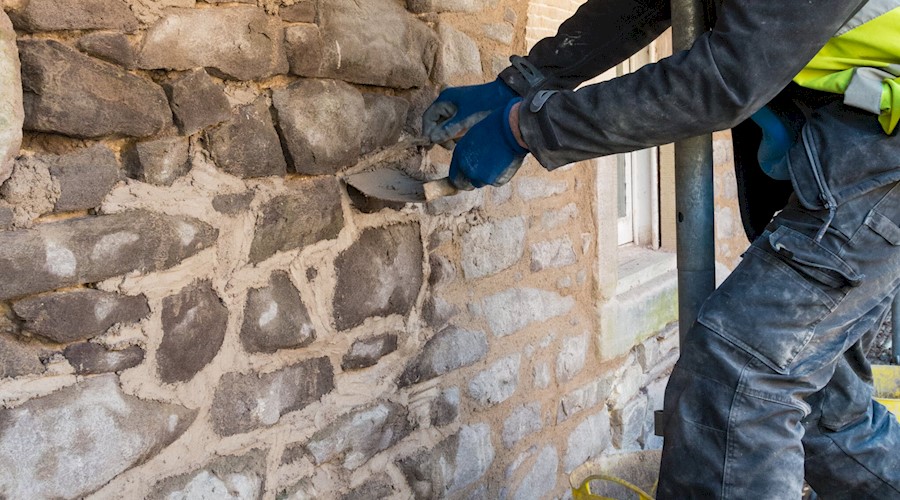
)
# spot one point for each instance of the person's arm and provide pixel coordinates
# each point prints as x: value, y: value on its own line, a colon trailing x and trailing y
x: 753, y: 52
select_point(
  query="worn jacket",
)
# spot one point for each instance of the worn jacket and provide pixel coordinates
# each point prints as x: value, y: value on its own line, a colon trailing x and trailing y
x: 747, y: 60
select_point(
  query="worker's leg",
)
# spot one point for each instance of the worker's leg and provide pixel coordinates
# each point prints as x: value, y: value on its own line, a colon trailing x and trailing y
x: 767, y: 340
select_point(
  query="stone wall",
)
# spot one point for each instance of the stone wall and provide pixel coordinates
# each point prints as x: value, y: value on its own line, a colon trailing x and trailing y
x: 193, y: 305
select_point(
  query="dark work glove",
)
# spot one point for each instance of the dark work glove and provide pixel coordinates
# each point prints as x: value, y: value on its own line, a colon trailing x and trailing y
x: 488, y: 153
x: 457, y: 109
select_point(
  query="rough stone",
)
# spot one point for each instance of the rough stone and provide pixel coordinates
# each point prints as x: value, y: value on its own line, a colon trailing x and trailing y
x: 160, y: 161
x: 452, y: 465
x: 248, y: 145
x: 240, y: 42
x: 228, y: 478
x: 628, y: 424
x: 58, y: 15
x: 30, y: 191
x: 244, y: 402
x: 376, y: 487
x: 306, y: 51
x: 339, y: 112
x: 311, y: 212
x: 6, y: 217
x: 379, y: 275
x: 459, y: 56
x: 385, y: 116
x: 18, y: 356
x: 193, y: 324
x: 492, y: 247
x: 197, y: 101
x: 534, y: 188
x: 366, y: 352
x: 424, y: 6
x: 540, y: 481
x: 72, y: 94
x: 584, y: 398
x: 400, y: 53
x: 445, y: 408
x: 521, y: 423
x: 552, y: 219
x: 457, y: 204
x: 588, y: 440
x: 232, y: 204
x: 541, y: 376
x: 89, y: 359
x: 80, y: 314
x: 628, y: 385
x: 356, y: 437
x: 109, y: 46
x: 498, y: 383
x: 12, y: 115
x: 451, y: 349
x: 512, y: 310
x: 303, y: 11
x: 275, y: 317
x: 85, y: 177
x: 437, y: 312
x: 500, y: 32
x: 88, y: 250
x: 75, y: 440
x: 552, y: 254
x: 571, y: 358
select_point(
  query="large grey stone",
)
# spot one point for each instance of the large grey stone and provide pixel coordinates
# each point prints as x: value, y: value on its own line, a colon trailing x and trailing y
x: 552, y: 254
x: 379, y: 275
x: 79, y: 314
x: 197, y: 101
x: 75, y: 440
x: 88, y: 358
x: 628, y: 424
x: 114, y: 47
x: 339, y: 114
x: 233, y: 203
x: 521, y: 423
x: 585, y: 397
x: 512, y: 310
x: 57, y: 15
x: 91, y: 249
x: 356, y: 437
x: 275, y: 317
x: 240, y: 42
x: 19, y: 356
x: 452, y: 465
x: 459, y: 56
x: 70, y: 93
x: 244, y: 402
x: 445, y: 408
x: 11, y: 113
x: 373, y: 488
x: 385, y: 116
x: 248, y: 145
x: 399, y: 53
x: 85, y: 177
x: 366, y: 352
x: 451, y: 349
x: 492, y: 247
x: 309, y: 214
x: 158, y: 161
x: 193, y: 324
x: 240, y: 477
x: 540, y: 481
x: 497, y: 383
x: 571, y: 358
x: 588, y: 440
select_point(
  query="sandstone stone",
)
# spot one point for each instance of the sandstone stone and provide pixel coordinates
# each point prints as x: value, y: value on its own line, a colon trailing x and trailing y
x: 19, y: 357
x: 197, y: 101
x: 423, y: 6
x: 376, y: 487
x: 239, y: 42
x: 310, y: 213
x: 303, y: 11
x: 159, y: 161
x: 339, y: 112
x: 540, y: 481
x: 521, y: 423
x: 275, y: 318
x: 452, y: 465
x: 74, y: 441
x: 228, y: 478
x: 244, y: 402
x: 379, y: 275
x: 57, y: 15
x: 492, y: 247
x: 232, y: 204
x: 11, y: 113
x: 193, y: 324
x: 248, y: 145
x: 571, y: 358
x: 80, y: 314
x: 358, y: 436
x: 585, y: 397
x: 459, y: 56
x: 445, y: 409
x: 366, y: 352
x: 512, y: 310
x: 90, y: 359
x: 385, y: 116
x: 85, y: 177
x: 552, y: 254
x: 70, y: 93
x: 451, y: 349
x: 498, y: 383
x: 88, y: 250
x: 588, y: 440
x: 109, y: 46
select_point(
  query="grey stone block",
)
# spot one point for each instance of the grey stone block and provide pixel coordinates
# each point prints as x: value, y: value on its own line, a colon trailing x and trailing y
x: 445, y: 408
x: 57, y: 15
x: 275, y: 317
x: 385, y: 116
x: 19, y: 356
x: 587, y: 441
x: 583, y: 398
x: 571, y: 358
x: 85, y: 177
x: 628, y: 424
x: 379, y: 275
x: 197, y: 101
x: 512, y: 310
x: 232, y: 204
x: 552, y: 254
x: 339, y: 112
x: 90, y: 359
x: 72, y: 442
x: 193, y: 324
x: 497, y: 383
x: 91, y: 249
x: 540, y: 481
x: 309, y: 214
x: 244, y: 402
x: 459, y: 56
x: 248, y: 145
x: 451, y: 349
x: 521, y: 423
x: 70, y: 93
x: 373, y: 488
x: 303, y: 11
x: 109, y: 46
x: 454, y: 464
x: 79, y: 314
x: 240, y: 477
x: 492, y: 247
x: 366, y: 352
x: 159, y: 161
x: 306, y: 51
x: 355, y: 438
x: 11, y: 113
x: 239, y: 42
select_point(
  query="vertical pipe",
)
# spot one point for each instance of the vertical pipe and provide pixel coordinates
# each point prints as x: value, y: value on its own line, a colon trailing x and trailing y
x: 694, y: 199
x: 895, y: 330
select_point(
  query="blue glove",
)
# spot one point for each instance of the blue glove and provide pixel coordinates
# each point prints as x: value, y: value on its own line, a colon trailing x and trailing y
x: 457, y: 109
x: 488, y: 153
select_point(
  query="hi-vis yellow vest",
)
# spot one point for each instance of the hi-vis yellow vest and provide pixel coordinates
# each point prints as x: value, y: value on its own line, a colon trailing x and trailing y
x: 862, y: 62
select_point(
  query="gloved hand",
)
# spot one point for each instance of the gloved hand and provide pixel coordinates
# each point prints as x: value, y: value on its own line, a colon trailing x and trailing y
x: 488, y: 153
x: 457, y: 109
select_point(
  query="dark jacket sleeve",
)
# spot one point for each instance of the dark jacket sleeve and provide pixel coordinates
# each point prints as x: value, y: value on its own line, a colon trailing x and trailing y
x: 754, y: 51
x: 600, y: 35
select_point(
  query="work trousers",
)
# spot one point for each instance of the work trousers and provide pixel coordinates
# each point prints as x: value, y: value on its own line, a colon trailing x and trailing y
x: 773, y: 385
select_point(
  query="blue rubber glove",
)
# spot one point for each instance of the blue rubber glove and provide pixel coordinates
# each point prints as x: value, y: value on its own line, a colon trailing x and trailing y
x: 777, y: 140
x: 488, y: 153
x: 457, y: 109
